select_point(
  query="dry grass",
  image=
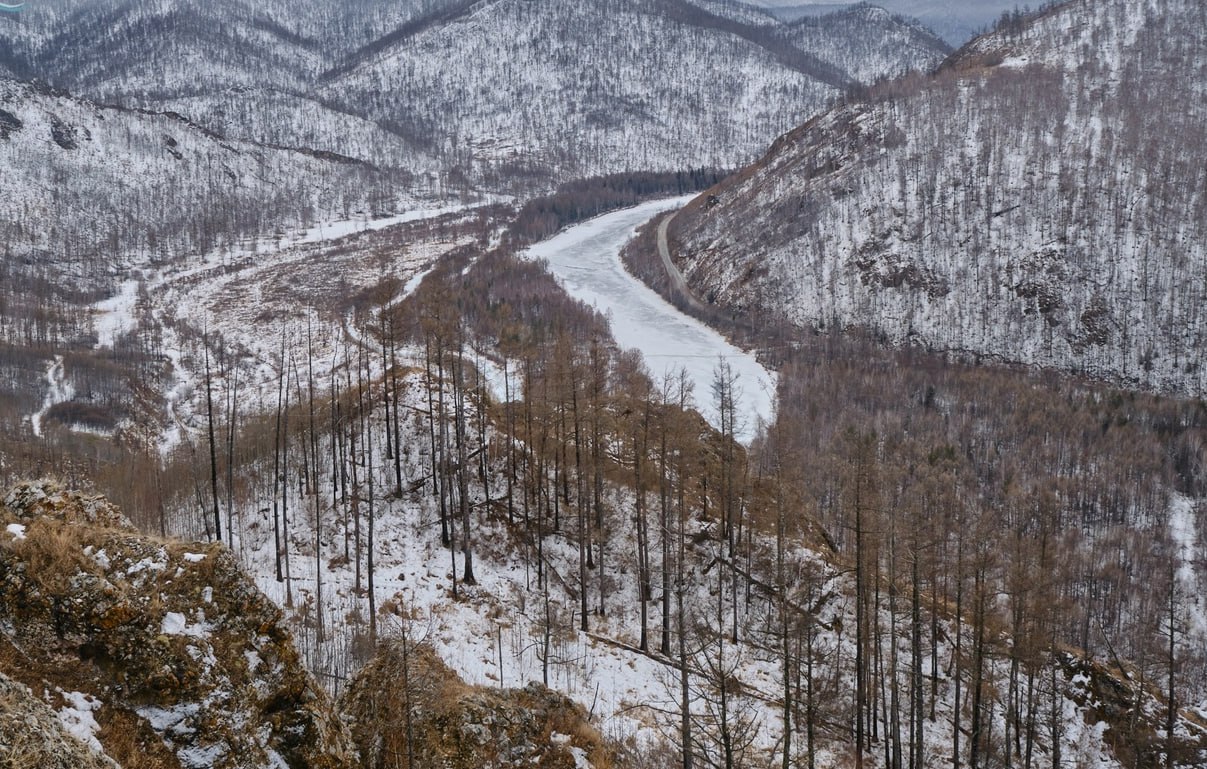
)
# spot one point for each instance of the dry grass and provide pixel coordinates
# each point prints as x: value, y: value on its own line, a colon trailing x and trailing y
x: 54, y: 553
x: 20, y: 747
x: 130, y: 742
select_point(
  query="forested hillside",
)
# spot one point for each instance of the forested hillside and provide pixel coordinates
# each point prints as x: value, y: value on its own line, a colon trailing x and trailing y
x: 930, y: 561
x: 865, y: 41
x: 499, y: 90
x: 1032, y: 202
x: 672, y: 86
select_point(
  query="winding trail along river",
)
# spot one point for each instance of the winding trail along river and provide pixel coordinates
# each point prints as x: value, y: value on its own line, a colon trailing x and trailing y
x: 586, y: 261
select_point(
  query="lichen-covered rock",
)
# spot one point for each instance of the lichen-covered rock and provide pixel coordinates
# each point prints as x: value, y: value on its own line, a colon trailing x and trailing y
x: 413, y: 708
x: 32, y: 736
x: 192, y: 662
x: 47, y: 498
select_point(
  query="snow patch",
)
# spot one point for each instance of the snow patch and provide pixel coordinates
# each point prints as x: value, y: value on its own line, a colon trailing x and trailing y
x: 170, y: 720
x: 146, y: 564
x: 201, y: 756
x: 175, y: 623
x: 116, y: 316
x: 78, y: 720
x: 580, y: 758
x: 17, y: 530
x: 59, y: 391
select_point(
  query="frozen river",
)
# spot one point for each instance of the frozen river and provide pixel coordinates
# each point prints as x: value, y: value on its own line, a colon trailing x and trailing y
x: 586, y: 261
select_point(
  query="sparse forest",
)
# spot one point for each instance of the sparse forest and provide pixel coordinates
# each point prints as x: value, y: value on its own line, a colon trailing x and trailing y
x: 920, y: 548
x: 960, y: 542
x: 1031, y: 203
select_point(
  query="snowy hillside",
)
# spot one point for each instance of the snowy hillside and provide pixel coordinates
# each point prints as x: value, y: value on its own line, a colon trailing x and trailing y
x: 354, y: 508
x: 594, y: 87
x: 866, y: 42
x: 494, y: 88
x: 1031, y: 203
x: 106, y: 186
x: 520, y: 619
x: 954, y: 20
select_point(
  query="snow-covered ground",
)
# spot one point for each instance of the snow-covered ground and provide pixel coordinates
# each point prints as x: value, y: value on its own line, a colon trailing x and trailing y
x: 262, y: 292
x: 492, y: 633
x: 58, y: 390
x: 117, y: 314
x: 586, y: 261
x: 1184, y: 531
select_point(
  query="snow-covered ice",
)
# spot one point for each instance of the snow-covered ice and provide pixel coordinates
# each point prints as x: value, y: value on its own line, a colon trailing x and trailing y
x: 586, y: 261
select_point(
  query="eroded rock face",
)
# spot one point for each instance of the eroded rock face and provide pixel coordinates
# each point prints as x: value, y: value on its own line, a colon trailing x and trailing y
x: 190, y: 663
x: 411, y: 707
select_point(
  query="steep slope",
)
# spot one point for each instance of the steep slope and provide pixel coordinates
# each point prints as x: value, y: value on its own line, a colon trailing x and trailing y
x: 73, y: 38
x: 508, y: 626
x: 110, y: 184
x: 1033, y: 202
x: 224, y: 64
x: 954, y: 20
x: 163, y: 654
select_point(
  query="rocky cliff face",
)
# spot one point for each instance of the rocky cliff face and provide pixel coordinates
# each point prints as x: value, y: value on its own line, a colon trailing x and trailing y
x: 153, y: 653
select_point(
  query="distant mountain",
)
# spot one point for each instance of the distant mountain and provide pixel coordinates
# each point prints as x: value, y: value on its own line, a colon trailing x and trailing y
x: 865, y: 41
x: 1039, y: 200
x: 243, y: 70
x: 954, y: 20
x: 494, y: 89
x: 87, y: 190
x: 591, y: 87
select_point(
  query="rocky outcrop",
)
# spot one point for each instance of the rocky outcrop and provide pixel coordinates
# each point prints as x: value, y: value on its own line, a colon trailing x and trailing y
x: 405, y: 708
x: 172, y: 651
x: 33, y: 737
x: 1130, y: 714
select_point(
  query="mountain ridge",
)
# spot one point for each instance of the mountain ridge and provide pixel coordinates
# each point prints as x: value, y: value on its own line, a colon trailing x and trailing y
x: 320, y: 78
